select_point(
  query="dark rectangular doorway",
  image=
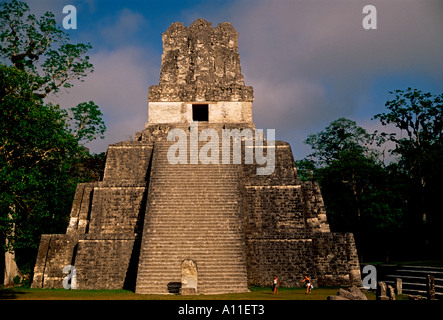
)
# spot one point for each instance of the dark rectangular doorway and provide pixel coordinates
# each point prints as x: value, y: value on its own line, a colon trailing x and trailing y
x: 200, y: 112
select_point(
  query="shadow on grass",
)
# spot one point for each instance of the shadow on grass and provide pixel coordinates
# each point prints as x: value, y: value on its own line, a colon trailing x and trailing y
x: 10, y: 293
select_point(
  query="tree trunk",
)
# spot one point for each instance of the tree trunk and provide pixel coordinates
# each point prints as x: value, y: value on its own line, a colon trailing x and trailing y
x: 11, y: 270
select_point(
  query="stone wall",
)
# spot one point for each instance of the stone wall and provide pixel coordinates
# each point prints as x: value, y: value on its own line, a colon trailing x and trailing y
x: 335, y: 259
x: 54, y: 253
x: 128, y: 161
x: 191, y: 93
x: 200, y: 64
x: 103, y: 237
x: 284, y: 173
x: 314, y: 208
x: 103, y: 261
x: 201, y: 54
x: 287, y: 233
x: 81, y: 208
x: 116, y: 208
x: 273, y: 212
x: 289, y: 259
x: 181, y: 112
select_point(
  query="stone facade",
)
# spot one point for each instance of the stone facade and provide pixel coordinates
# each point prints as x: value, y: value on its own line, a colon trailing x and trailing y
x: 157, y: 228
x: 200, y: 64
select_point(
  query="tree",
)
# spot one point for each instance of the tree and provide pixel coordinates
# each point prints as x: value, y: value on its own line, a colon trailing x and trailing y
x: 42, y: 50
x: 419, y: 116
x: 341, y: 135
x: 85, y: 122
x: 41, y: 159
x: 39, y: 47
x: 353, y: 181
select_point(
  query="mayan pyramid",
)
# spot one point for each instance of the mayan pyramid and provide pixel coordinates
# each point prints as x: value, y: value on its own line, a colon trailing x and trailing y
x: 198, y: 218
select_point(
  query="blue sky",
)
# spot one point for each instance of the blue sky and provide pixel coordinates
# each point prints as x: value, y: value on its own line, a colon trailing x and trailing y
x: 309, y: 61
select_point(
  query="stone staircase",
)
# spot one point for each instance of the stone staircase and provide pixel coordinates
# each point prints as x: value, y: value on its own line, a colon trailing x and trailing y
x: 193, y: 213
x: 413, y: 278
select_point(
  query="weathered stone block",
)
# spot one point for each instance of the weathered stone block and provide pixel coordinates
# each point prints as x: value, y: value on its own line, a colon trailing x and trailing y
x: 352, y: 293
x: 430, y: 287
x: 382, y: 291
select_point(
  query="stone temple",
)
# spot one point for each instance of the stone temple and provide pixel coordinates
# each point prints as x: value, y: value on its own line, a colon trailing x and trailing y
x: 157, y: 226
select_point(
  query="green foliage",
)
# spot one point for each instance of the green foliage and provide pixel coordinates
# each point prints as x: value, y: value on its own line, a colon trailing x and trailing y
x: 342, y: 135
x: 353, y: 180
x: 393, y: 209
x: 41, y: 48
x: 35, y: 160
x: 86, y: 122
x: 305, y: 169
x: 419, y: 116
x: 41, y: 159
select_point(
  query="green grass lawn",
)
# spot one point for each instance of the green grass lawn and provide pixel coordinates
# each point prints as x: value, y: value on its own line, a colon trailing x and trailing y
x: 256, y: 293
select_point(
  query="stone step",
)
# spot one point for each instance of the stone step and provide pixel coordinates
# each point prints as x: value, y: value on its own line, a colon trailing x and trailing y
x: 198, y: 233
x: 203, y: 257
x: 159, y: 198
x: 194, y: 213
x: 191, y: 198
x: 193, y: 209
x: 158, y: 267
x: 204, y: 168
x: 233, y: 270
x: 214, y: 223
x: 206, y: 283
x: 216, y: 276
x: 210, y: 254
x: 229, y: 230
x: 197, y: 207
x: 221, y: 289
x: 204, y: 286
x: 194, y: 216
x: 228, y: 244
x: 173, y: 175
x: 194, y: 181
x: 196, y: 176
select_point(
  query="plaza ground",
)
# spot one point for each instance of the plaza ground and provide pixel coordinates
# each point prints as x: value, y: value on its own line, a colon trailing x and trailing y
x: 256, y: 293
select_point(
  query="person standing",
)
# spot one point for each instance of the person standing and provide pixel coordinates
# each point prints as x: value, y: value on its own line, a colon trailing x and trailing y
x: 275, y: 284
x: 308, y: 284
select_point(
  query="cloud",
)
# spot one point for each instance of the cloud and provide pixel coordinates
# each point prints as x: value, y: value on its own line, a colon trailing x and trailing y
x: 119, y: 86
x: 120, y: 30
x: 311, y: 62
